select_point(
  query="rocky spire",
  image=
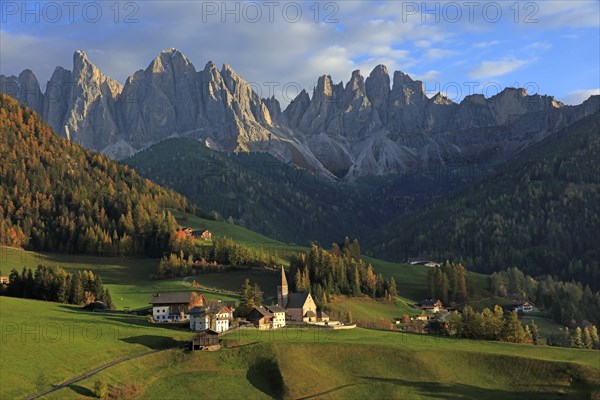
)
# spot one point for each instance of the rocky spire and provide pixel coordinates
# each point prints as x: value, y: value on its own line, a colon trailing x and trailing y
x: 378, y: 91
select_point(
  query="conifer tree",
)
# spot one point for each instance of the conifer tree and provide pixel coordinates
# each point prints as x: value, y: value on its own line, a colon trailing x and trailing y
x: 513, y: 330
x: 535, y: 333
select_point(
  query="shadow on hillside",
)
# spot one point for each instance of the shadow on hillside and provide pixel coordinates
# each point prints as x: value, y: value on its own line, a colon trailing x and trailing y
x: 264, y: 375
x: 457, y: 390
x: 82, y: 391
x: 153, y: 342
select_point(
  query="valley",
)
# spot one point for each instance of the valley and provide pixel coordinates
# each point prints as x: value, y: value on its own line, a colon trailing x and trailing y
x: 333, y: 200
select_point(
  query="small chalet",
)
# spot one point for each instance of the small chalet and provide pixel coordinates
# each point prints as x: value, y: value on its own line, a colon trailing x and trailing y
x: 261, y: 318
x: 522, y: 307
x: 433, y: 305
x: 215, y: 316
x: 4, y: 280
x: 203, y: 234
x: 207, y: 340
x: 174, y: 307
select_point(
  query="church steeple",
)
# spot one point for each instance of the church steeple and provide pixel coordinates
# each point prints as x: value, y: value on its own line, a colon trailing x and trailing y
x: 282, y: 290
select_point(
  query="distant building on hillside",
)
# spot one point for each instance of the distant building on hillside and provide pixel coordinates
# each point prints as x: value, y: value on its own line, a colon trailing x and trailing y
x: 299, y: 307
x: 187, y: 231
x: 433, y: 305
x: 4, y: 280
x: 522, y: 307
x: 427, y: 263
x: 203, y: 234
x: 175, y: 307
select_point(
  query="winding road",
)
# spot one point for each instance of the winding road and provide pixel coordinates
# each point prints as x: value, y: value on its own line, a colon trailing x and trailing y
x: 92, y: 372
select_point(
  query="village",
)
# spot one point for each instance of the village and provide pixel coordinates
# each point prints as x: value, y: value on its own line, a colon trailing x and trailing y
x: 215, y: 317
x: 212, y: 318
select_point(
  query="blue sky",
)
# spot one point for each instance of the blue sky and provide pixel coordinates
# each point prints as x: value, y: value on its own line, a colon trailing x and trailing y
x: 458, y: 48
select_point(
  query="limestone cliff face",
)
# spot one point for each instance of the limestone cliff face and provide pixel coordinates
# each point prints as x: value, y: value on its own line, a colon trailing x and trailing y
x: 25, y: 89
x: 373, y: 126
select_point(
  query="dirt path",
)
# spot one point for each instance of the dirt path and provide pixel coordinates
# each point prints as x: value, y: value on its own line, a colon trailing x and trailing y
x: 92, y: 372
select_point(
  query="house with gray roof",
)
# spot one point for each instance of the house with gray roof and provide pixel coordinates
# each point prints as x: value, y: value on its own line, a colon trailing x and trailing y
x: 174, y: 306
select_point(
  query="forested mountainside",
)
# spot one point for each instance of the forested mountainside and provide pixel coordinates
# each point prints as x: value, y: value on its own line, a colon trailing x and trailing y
x: 265, y: 195
x: 57, y: 196
x: 255, y: 190
x: 540, y: 213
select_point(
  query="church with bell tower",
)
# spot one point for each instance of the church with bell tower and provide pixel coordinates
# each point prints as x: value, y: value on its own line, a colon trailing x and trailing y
x: 298, y: 306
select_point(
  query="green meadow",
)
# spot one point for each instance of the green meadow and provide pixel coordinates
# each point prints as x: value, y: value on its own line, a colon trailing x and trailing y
x: 46, y: 343
x: 356, y: 364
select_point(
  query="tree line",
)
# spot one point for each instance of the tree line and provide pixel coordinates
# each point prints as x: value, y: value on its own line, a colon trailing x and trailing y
x: 568, y: 303
x: 51, y: 283
x: 450, y: 283
x: 491, y: 325
x: 57, y: 196
x: 586, y: 338
x: 224, y: 254
x: 340, y: 270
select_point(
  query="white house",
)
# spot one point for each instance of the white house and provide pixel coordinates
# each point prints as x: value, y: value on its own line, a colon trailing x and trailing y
x: 215, y: 316
x: 278, y: 316
x: 173, y: 307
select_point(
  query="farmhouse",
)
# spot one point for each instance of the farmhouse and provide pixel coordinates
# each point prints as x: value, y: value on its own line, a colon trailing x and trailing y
x: 261, y: 318
x: 299, y: 307
x: 4, y: 280
x: 215, y: 316
x: 203, y: 234
x: 522, y: 307
x: 174, y: 307
x: 431, y: 305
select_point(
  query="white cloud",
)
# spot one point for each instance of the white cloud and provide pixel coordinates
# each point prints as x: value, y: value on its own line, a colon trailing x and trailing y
x: 438, y: 53
x: 368, y: 33
x: 539, y: 46
x: 485, y: 45
x: 488, y: 69
x: 428, y: 76
x: 565, y: 13
x: 422, y: 43
x: 579, y: 96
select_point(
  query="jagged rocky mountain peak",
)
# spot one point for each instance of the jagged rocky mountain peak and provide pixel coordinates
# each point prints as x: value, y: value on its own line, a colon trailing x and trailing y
x: 378, y: 125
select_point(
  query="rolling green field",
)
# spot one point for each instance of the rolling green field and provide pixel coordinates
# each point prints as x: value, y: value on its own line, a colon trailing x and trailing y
x: 127, y: 278
x: 63, y: 341
x: 45, y: 343
x: 240, y: 234
x: 356, y: 364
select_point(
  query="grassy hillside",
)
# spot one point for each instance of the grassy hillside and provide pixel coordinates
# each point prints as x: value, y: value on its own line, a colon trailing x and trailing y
x: 45, y: 343
x: 358, y: 364
x: 540, y: 213
x: 127, y: 278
